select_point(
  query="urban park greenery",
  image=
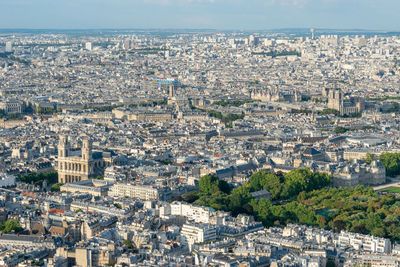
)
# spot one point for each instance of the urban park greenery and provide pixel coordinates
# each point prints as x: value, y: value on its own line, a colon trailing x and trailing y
x: 305, y: 197
x: 50, y: 177
x: 10, y: 226
x: 391, y: 161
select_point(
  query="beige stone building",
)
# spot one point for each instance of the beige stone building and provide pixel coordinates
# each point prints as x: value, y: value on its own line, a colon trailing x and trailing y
x: 74, y: 166
x: 349, y: 106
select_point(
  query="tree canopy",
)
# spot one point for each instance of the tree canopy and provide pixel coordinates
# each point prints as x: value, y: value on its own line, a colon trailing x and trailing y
x: 10, y: 226
x: 289, y: 185
x: 37, y: 178
x: 391, y: 161
x: 303, y: 196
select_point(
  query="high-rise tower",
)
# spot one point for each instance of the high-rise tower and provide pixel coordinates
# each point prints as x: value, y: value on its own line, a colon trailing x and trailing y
x: 312, y: 33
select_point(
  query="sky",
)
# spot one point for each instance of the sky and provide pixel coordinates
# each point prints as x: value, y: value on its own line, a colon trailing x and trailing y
x: 200, y: 14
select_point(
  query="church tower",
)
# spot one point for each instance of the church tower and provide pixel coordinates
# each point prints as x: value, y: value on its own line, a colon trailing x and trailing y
x: 171, y: 90
x: 63, y: 147
x: 86, y: 149
x: 335, y: 99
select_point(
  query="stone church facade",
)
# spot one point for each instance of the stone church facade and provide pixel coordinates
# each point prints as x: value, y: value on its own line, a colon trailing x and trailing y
x: 75, y: 166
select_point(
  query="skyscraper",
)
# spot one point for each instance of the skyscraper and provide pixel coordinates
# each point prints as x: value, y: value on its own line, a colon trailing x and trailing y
x: 88, y: 46
x: 253, y: 40
x: 9, y: 47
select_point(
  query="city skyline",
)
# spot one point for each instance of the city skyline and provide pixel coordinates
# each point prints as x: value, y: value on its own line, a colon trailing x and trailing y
x: 200, y: 14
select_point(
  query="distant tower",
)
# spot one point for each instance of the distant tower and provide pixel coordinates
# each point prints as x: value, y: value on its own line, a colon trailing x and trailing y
x: 312, y: 33
x: 88, y: 46
x: 9, y: 47
x: 86, y: 149
x: 335, y: 99
x: 63, y: 147
x: 171, y: 90
x: 127, y: 44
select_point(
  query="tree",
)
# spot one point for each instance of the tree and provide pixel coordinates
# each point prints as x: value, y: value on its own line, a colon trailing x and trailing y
x: 238, y: 198
x: 329, y: 111
x: 56, y: 187
x: 10, y: 226
x: 330, y: 263
x: 190, y: 197
x: 50, y: 177
x: 128, y: 243
x: 223, y: 186
x: 391, y: 161
x: 340, y: 130
x: 209, y: 184
x: 219, y: 201
x: 369, y: 157
x: 112, y: 262
x: 339, y: 225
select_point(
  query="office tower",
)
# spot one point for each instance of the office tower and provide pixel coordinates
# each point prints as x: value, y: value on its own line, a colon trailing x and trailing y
x: 9, y: 47
x: 88, y: 46
x: 254, y: 40
x: 126, y: 44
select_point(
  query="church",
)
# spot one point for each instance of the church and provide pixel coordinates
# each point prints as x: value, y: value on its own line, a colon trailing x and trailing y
x: 75, y: 166
x: 350, y: 106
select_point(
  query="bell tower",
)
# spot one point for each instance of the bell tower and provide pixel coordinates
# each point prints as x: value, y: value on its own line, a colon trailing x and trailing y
x: 86, y: 149
x: 63, y: 147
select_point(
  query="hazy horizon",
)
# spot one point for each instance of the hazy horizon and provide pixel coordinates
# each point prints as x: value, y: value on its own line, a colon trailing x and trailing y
x: 200, y: 14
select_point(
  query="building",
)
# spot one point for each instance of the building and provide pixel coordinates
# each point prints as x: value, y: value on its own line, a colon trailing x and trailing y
x: 9, y: 47
x: 88, y: 256
x: 142, y: 192
x: 168, y: 86
x: 253, y: 40
x: 150, y: 116
x: 7, y: 180
x: 88, y: 46
x: 336, y: 101
x: 198, y: 233
x: 12, y: 106
x: 198, y: 214
x: 28, y: 241
x: 358, y: 173
x: 275, y: 95
x: 373, y: 260
x: 74, y: 166
x: 127, y: 44
x: 91, y: 186
x: 364, y: 242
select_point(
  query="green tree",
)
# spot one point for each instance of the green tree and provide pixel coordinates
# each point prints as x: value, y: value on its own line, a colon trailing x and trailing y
x: 330, y: 263
x: 190, y: 197
x: 56, y: 187
x: 340, y: 130
x: 10, y: 226
x: 128, y: 243
x: 208, y: 184
x: 238, y: 198
x: 369, y: 157
x: 391, y: 161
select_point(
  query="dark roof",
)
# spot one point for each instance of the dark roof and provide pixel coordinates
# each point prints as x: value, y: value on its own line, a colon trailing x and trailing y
x: 311, y: 151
